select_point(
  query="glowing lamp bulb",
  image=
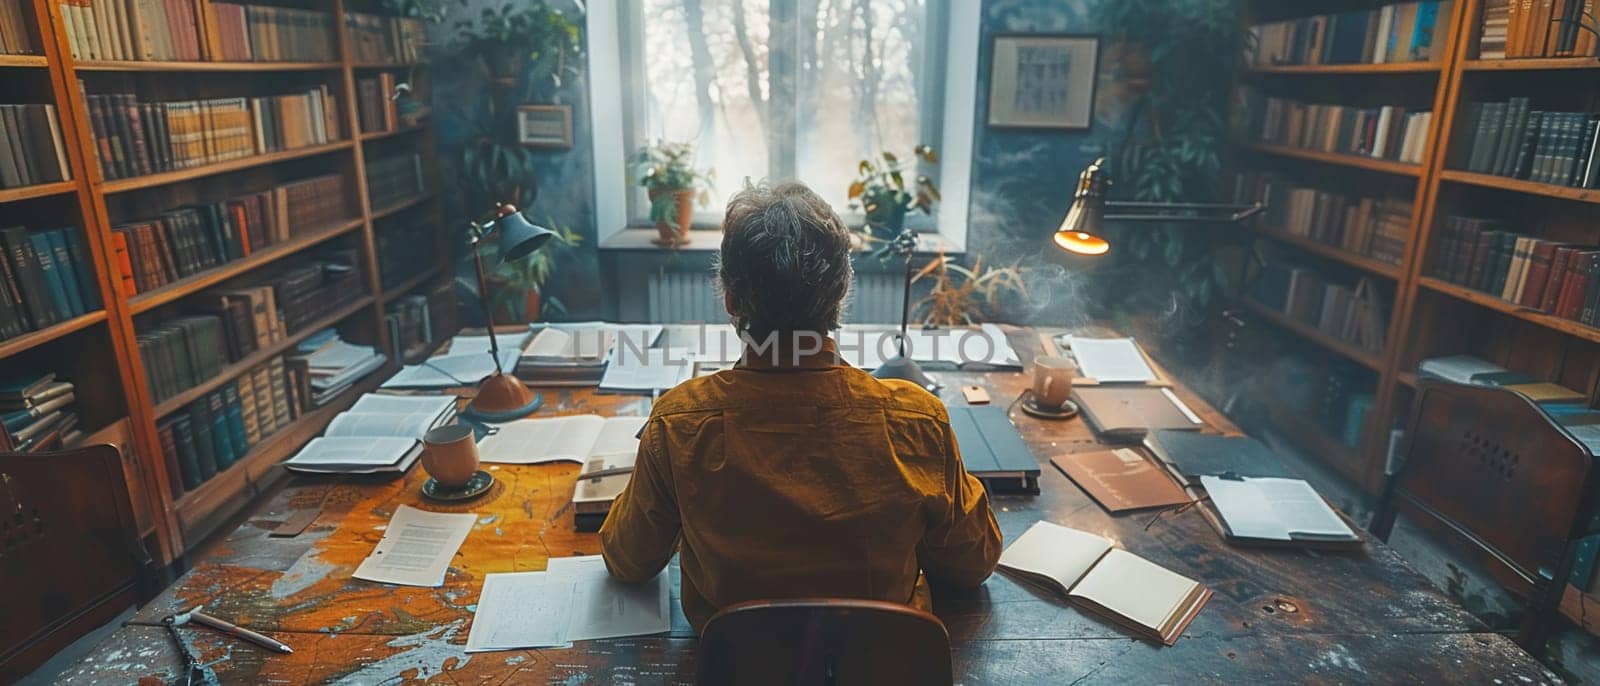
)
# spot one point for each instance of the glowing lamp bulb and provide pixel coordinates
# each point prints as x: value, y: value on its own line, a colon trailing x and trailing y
x: 1081, y: 243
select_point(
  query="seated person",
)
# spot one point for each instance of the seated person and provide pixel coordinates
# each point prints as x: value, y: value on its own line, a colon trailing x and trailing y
x: 794, y: 474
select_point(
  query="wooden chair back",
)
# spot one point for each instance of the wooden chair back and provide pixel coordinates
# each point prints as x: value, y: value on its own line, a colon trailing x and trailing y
x: 70, y: 556
x: 1489, y: 468
x: 831, y: 641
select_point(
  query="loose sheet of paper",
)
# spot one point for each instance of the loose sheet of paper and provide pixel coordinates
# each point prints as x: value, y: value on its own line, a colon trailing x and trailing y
x: 658, y: 369
x: 575, y: 599
x: 417, y: 547
x: 573, y: 438
x: 479, y: 345
x: 520, y: 610
x: 1111, y: 360
x: 447, y: 371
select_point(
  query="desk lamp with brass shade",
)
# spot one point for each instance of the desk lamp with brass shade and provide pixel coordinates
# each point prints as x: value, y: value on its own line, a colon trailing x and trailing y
x: 502, y: 397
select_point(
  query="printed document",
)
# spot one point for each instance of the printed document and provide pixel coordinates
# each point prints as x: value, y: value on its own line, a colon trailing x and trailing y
x: 417, y: 547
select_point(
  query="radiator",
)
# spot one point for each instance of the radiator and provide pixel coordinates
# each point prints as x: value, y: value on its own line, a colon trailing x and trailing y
x: 688, y: 297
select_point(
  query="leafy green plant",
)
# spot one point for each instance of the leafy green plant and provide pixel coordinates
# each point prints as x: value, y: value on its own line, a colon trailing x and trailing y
x: 664, y: 168
x: 510, y: 281
x: 431, y: 11
x: 494, y: 172
x: 879, y: 190
x: 1175, y: 154
x: 541, y: 44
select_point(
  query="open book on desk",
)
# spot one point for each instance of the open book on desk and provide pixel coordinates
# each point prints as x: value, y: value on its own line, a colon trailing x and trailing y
x: 575, y: 438
x: 380, y: 433
x: 1283, y: 510
x: 1135, y: 593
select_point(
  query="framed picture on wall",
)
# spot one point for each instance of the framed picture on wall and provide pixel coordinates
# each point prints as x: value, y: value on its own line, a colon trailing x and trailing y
x: 544, y: 126
x: 1043, y: 81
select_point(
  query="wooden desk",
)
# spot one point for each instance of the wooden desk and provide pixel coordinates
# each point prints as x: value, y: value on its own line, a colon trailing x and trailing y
x: 1278, y: 615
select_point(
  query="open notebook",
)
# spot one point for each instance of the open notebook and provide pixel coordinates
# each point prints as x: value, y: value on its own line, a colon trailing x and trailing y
x: 1275, y: 510
x: 380, y: 433
x: 1133, y: 592
x: 577, y: 438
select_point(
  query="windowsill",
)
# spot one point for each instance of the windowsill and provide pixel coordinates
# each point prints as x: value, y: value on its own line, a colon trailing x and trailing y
x: 710, y: 240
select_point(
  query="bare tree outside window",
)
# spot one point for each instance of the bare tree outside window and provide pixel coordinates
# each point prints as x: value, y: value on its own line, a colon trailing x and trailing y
x: 784, y: 88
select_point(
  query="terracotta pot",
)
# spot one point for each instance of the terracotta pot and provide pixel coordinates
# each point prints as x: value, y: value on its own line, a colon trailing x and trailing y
x: 675, y: 234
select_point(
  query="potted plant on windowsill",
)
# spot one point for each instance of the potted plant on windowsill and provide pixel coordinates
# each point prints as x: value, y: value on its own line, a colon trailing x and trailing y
x: 880, y: 192
x: 666, y: 171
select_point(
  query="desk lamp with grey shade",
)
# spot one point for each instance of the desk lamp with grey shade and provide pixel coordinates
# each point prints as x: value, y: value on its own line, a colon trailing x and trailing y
x: 502, y: 397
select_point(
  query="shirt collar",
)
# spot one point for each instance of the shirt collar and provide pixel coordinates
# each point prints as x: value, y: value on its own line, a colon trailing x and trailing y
x: 801, y: 350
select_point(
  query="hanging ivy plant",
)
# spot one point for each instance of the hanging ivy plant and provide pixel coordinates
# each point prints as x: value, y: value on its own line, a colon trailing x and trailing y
x: 1175, y: 137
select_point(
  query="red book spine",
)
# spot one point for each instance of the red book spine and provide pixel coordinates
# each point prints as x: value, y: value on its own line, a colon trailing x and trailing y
x: 1558, y: 275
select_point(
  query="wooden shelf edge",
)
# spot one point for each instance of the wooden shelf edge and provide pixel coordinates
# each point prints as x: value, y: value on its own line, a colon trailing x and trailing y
x: 33, y: 339
x: 36, y: 191
x: 1531, y: 64
x: 170, y: 66
x: 1566, y: 326
x: 380, y: 135
x: 179, y: 175
x: 1350, y: 351
x: 1549, y: 190
x: 24, y: 61
x: 1428, y: 67
x: 251, y: 361
x: 1350, y: 259
x: 396, y: 208
x: 1341, y: 159
x: 387, y: 65
x: 404, y: 286
x: 263, y: 458
x: 150, y: 300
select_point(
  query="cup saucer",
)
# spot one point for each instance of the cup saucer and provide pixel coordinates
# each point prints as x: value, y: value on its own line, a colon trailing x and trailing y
x: 478, y: 484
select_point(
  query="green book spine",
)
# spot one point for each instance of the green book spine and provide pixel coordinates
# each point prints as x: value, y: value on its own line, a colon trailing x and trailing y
x: 221, y: 435
x: 60, y: 307
x: 205, y: 448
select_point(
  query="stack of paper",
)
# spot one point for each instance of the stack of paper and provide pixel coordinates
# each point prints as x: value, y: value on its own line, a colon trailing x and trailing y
x: 380, y: 433
x: 336, y: 365
x: 451, y: 371
x: 575, y: 354
x: 575, y: 599
x: 1111, y: 360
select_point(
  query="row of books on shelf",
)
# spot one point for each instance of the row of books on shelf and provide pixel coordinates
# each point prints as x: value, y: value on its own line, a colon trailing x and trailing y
x: 14, y: 36
x: 1510, y: 139
x: 137, y: 138
x: 1386, y: 132
x: 395, y: 179
x: 205, y: 437
x: 378, y: 38
x: 376, y: 109
x: 1556, y: 278
x: 1354, y: 314
x: 38, y: 412
x: 334, y: 365
x: 1404, y: 32
x: 49, y: 278
x: 1374, y: 227
x: 1535, y: 28
x: 153, y: 252
x: 31, y: 148
x: 196, y: 30
x: 228, y: 325
x: 405, y: 248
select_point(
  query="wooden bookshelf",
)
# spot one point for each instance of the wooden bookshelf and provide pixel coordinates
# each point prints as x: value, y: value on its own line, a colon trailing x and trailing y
x: 1341, y: 159
x: 405, y: 286
x: 399, y: 131
x: 1390, y: 83
x: 1335, y: 253
x: 396, y: 208
x: 1489, y: 302
x: 1547, y: 190
x: 100, y: 347
x: 1350, y: 351
x: 1380, y: 68
x: 165, y: 178
x: 1532, y: 64
x: 159, y: 66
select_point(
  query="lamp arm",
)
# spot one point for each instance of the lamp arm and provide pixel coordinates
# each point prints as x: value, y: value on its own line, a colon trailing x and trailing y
x: 480, y: 231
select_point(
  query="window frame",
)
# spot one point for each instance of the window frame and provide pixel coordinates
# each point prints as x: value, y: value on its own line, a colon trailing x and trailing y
x: 615, y: 102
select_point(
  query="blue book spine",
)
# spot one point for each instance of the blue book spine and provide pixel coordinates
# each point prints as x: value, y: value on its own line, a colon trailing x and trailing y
x: 52, y: 276
x: 1422, y: 31
x: 236, y: 433
x: 83, y: 265
x: 1583, y: 561
x: 68, y: 269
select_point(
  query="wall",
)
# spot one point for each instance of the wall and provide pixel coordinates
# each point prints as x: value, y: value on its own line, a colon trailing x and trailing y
x: 1022, y: 180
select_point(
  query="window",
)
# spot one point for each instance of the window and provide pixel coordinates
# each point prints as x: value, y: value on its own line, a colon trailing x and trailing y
x: 783, y: 89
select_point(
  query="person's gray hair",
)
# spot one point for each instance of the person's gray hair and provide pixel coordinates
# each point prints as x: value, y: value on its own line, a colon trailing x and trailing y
x: 785, y: 261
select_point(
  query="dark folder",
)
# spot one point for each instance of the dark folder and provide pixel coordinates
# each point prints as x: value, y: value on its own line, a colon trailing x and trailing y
x: 1194, y: 455
x: 993, y: 450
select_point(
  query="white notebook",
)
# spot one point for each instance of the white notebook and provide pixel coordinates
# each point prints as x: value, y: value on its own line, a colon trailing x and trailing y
x: 1133, y: 592
x: 575, y: 438
x: 1111, y: 360
x: 1275, y: 509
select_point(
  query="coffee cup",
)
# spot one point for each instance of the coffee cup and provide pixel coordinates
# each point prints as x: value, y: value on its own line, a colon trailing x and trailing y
x: 450, y: 455
x: 1052, y: 380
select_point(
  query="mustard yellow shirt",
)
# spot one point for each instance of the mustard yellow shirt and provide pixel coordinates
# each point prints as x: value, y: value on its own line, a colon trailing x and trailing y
x: 800, y: 480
